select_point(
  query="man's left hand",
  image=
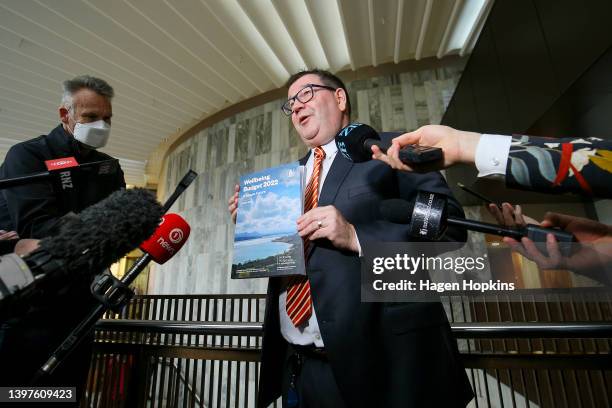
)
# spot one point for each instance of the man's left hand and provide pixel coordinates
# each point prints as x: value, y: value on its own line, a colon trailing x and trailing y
x: 327, y: 222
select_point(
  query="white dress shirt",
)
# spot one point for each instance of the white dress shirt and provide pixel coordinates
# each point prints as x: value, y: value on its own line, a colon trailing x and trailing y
x: 491, y: 155
x: 309, y: 332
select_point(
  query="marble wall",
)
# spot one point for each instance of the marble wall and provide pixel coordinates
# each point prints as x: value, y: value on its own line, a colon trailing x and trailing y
x: 262, y: 137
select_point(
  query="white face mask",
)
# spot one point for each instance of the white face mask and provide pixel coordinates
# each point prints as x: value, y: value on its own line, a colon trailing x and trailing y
x: 94, y: 134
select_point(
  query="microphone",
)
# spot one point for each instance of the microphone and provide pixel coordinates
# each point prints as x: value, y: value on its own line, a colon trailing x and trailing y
x: 427, y: 219
x: 355, y: 142
x: 168, y: 239
x: 113, y: 293
x: 62, y: 170
x: 86, y: 244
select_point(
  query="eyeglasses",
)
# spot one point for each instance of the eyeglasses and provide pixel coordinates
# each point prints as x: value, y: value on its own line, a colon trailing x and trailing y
x: 304, y: 95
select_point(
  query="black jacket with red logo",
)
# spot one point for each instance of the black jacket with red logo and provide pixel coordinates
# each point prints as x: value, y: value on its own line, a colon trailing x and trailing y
x: 33, y: 209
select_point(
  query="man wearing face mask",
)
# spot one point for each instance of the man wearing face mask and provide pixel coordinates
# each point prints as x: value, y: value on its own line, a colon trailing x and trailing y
x: 34, y: 211
x: 85, y: 113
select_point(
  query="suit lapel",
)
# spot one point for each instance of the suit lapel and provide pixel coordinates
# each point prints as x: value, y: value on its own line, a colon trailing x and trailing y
x: 304, y: 159
x: 336, y: 175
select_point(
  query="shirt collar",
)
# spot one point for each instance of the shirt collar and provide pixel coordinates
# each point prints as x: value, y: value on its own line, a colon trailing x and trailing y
x: 330, y: 149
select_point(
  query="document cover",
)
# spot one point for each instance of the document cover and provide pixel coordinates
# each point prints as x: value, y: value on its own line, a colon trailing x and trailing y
x: 266, y: 242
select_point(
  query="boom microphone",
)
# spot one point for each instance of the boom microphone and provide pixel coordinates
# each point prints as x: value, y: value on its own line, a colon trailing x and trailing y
x: 167, y: 239
x: 112, y: 293
x: 86, y: 244
x: 355, y: 142
x: 427, y: 219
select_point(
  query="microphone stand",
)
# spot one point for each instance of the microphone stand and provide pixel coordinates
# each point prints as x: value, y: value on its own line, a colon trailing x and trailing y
x: 112, y: 294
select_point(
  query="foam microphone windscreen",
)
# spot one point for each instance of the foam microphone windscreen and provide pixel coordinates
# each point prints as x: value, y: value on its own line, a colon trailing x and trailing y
x: 351, y: 142
x: 168, y: 238
x: 104, y: 232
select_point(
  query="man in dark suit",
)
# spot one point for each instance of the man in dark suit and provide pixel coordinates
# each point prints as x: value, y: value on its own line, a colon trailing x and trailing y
x: 328, y: 349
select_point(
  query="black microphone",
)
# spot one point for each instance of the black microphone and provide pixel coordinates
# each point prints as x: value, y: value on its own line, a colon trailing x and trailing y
x: 355, y: 142
x: 62, y: 170
x: 86, y: 244
x: 428, y: 219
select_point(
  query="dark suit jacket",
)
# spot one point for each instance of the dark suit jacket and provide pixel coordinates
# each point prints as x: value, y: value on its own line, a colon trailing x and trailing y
x: 382, y: 355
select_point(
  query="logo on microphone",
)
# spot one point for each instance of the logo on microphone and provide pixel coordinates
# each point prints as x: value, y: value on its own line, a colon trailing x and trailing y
x: 424, y: 228
x: 342, y: 147
x: 349, y: 128
x: 176, y: 235
x: 164, y: 244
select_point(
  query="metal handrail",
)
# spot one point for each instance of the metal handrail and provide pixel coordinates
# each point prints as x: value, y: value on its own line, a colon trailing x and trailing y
x: 460, y: 330
x: 533, y: 330
x: 182, y: 327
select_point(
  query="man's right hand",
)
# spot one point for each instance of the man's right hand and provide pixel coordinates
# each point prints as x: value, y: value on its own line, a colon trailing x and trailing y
x: 5, y: 235
x: 457, y: 147
x: 232, y: 204
x: 25, y: 246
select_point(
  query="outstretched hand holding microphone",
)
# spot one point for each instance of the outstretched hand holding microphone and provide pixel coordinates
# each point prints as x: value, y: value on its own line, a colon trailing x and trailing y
x: 592, y: 257
x: 457, y: 147
x: 491, y: 154
x: 553, y: 165
x: 559, y: 242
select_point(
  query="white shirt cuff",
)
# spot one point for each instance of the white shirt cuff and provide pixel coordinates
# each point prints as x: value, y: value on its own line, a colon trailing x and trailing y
x: 492, y: 154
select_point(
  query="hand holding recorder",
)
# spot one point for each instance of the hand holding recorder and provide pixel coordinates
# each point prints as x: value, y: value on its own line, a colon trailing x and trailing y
x: 456, y: 147
x: 357, y: 141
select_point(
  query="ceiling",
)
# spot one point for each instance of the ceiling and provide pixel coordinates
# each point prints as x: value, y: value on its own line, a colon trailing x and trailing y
x: 175, y: 62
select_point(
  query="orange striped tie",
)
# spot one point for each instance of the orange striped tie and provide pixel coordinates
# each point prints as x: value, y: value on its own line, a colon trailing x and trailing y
x: 299, y: 302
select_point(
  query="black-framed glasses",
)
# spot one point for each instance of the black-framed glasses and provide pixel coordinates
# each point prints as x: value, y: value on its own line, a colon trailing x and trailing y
x: 304, y: 95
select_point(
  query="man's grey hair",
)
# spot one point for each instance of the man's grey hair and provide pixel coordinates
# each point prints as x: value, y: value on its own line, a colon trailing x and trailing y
x: 99, y: 86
